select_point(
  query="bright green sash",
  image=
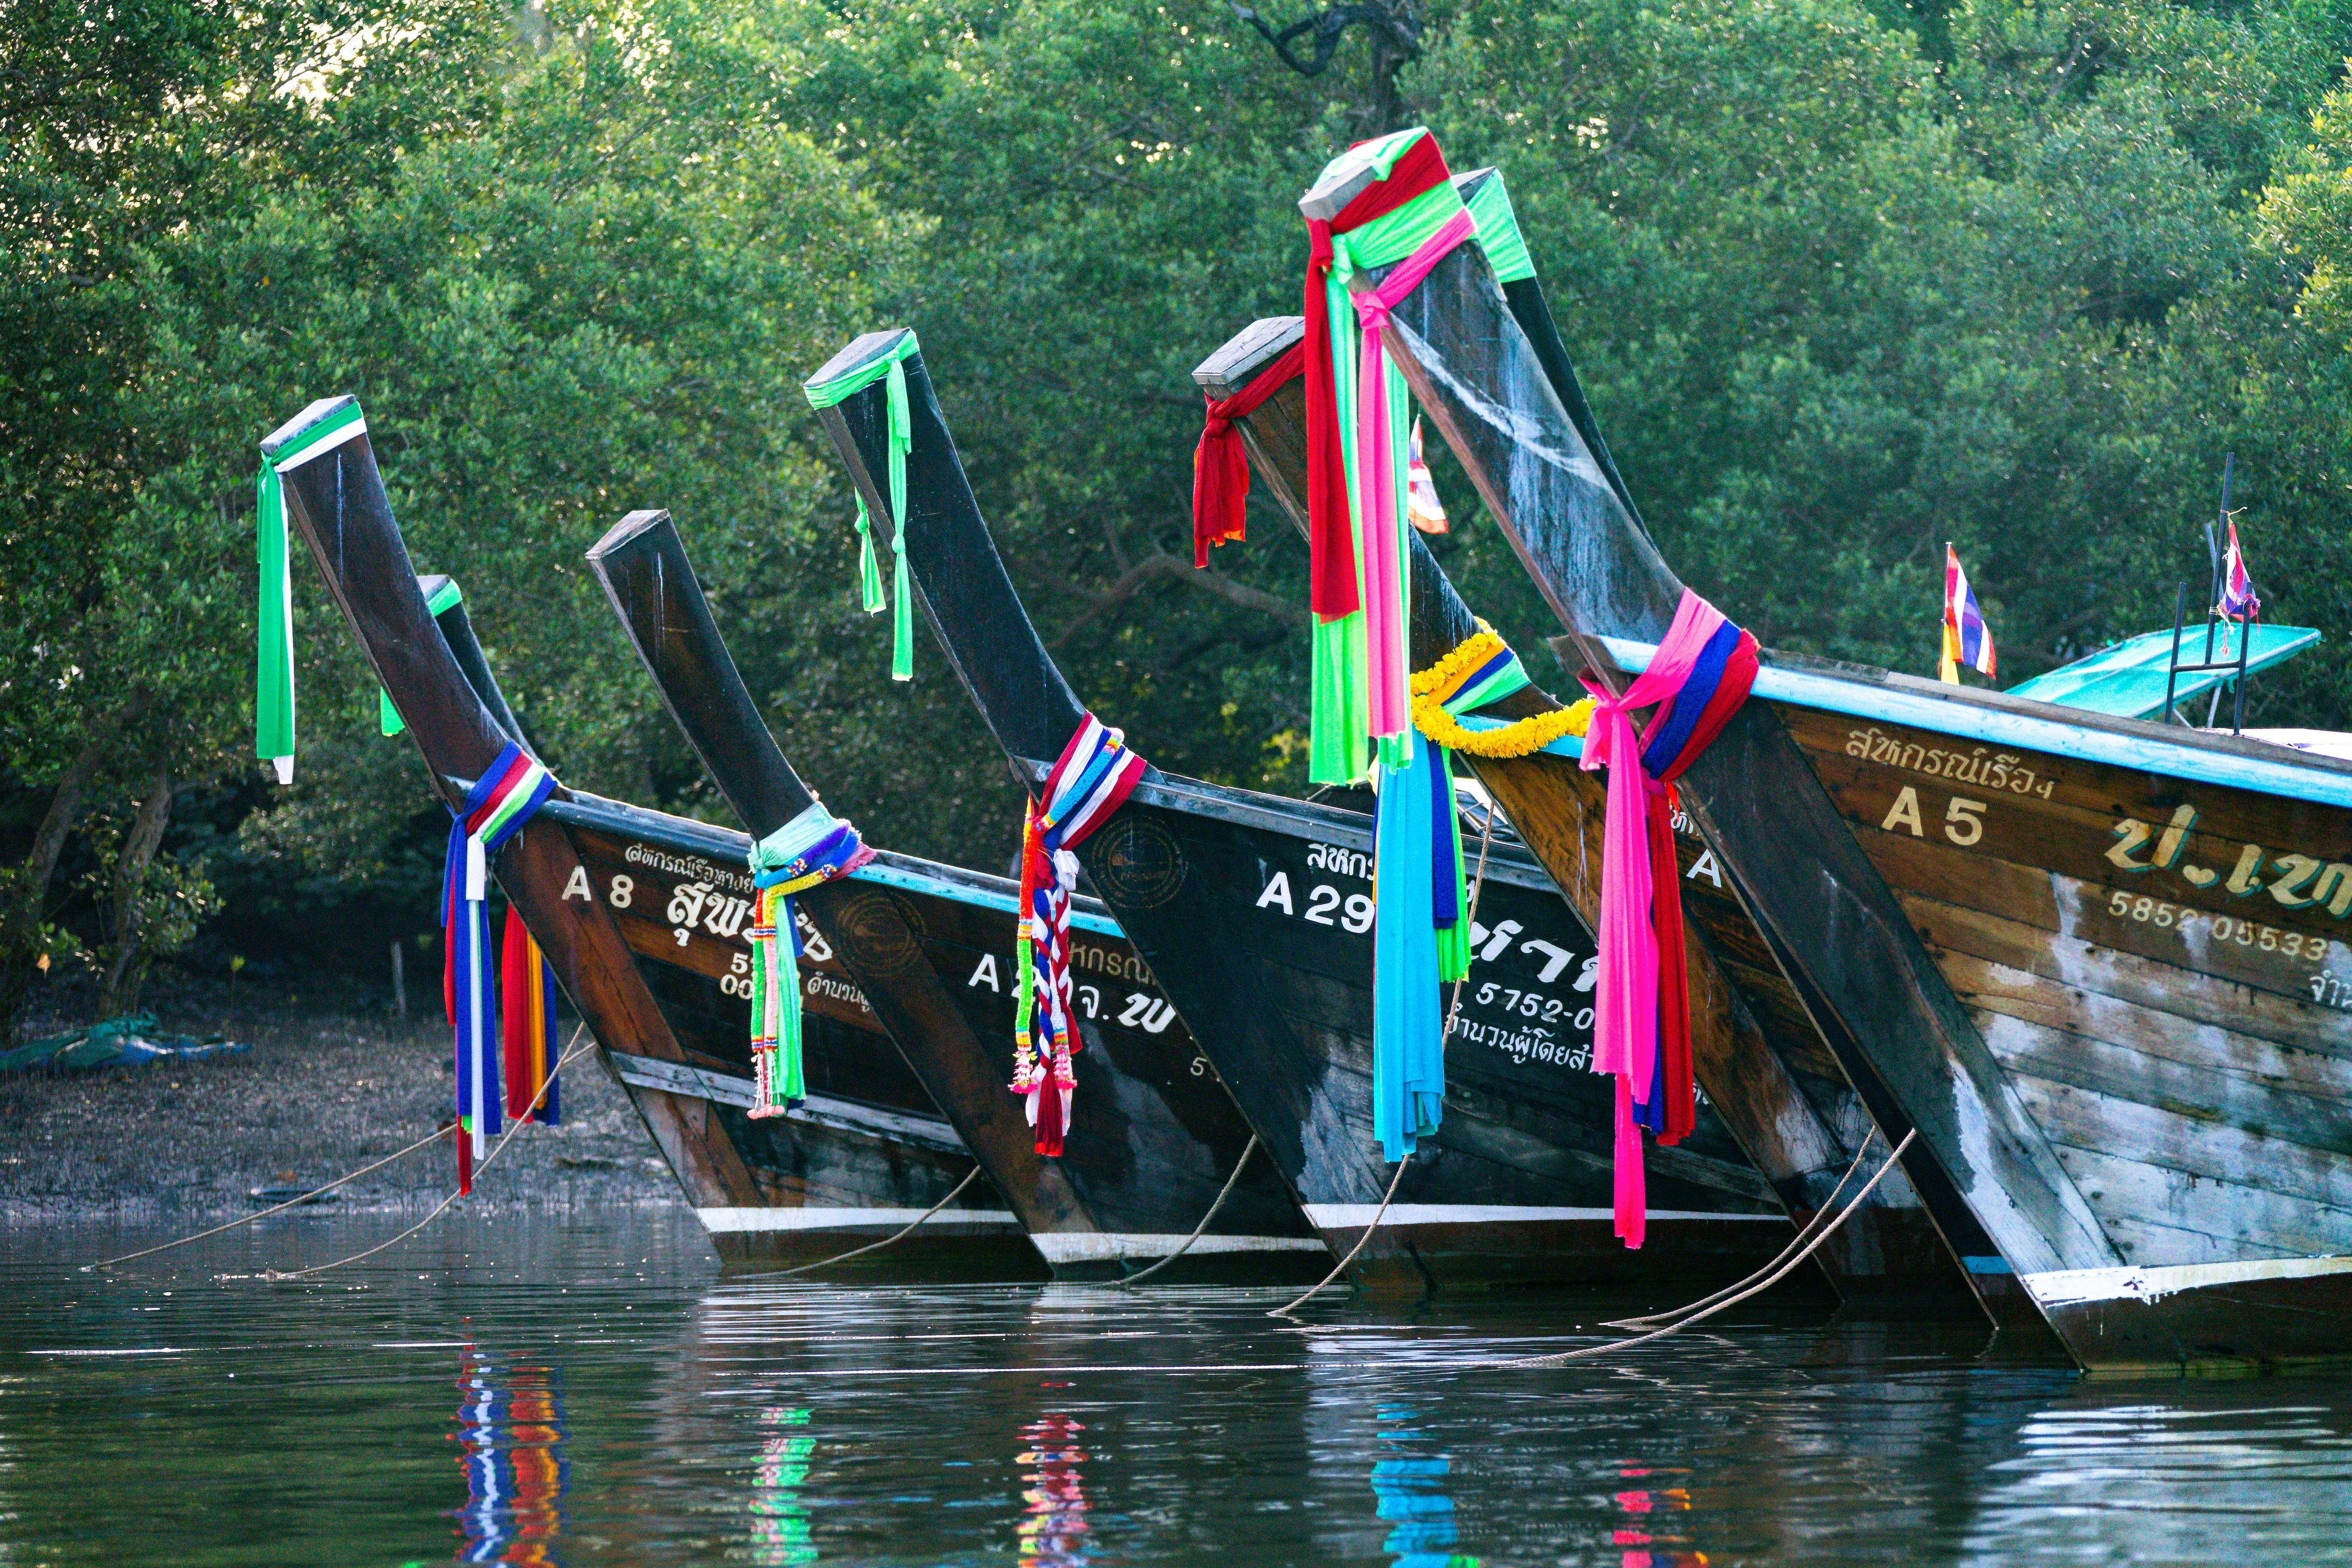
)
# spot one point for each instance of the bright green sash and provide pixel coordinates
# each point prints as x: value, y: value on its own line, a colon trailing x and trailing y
x: 273, y: 683
x: 901, y: 438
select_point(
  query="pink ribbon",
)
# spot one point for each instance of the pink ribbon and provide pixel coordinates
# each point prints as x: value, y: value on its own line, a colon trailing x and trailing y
x: 1384, y: 630
x: 1625, y: 1006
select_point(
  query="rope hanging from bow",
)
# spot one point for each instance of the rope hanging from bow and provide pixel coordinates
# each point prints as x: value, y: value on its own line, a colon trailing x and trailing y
x: 510, y: 791
x: 815, y: 846
x: 1095, y: 773
x: 899, y: 435
x: 1641, y: 1033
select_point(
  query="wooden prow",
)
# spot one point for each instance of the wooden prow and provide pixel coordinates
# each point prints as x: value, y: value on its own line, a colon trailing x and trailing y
x: 652, y: 587
x: 336, y: 501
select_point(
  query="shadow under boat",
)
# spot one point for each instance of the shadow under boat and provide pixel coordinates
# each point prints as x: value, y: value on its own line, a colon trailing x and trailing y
x: 930, y: 950
x: 1755, y: 1052
x: 2099, y: 963
x: 1256, y: 912
x: 629, y: 905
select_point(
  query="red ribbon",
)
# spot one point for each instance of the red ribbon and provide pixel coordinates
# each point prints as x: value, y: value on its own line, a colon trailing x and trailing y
x: 1219, y: 466
x: 1330, y: 545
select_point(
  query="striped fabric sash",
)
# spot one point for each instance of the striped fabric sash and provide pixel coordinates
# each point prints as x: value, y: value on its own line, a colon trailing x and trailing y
x: 892, y: 366
x: 273, y: 684
x: 1641, y: 1030
x: 1095, y: 773
x: 815, y: 846
x: 506, y: 796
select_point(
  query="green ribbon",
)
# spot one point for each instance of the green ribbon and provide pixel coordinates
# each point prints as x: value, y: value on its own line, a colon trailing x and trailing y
x: 273, y: 681
x: 388, y: 717
x: 891, y: 364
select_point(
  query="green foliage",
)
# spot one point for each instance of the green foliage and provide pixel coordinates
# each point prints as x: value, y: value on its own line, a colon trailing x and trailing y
x: 1846, y: 279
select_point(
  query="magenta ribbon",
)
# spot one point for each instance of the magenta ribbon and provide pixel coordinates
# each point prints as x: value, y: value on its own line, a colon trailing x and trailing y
x: 1625, y: 1006
x: 1384, y: 629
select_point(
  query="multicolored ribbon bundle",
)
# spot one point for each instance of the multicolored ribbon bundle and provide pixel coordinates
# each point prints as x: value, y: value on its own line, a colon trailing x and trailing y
x: 527, y: 1021
x: 892, y: 364
x: 815, y: 846
x: 273, y: 684
x: 1095, y: 773
x: 1699, y: 678
x: 1220, y: 467
x: 1358, y: 479
x: 505, y: 798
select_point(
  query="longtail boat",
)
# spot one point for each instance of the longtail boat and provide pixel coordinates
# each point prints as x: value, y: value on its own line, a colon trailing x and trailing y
x: 930, y: 948
x: 1757, y: 1058
x: 2098, y: 963
x: 1253, y: 911
x: 632, y: 908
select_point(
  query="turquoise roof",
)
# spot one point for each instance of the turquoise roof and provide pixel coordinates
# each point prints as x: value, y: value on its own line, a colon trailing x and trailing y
x: 2126, y: 679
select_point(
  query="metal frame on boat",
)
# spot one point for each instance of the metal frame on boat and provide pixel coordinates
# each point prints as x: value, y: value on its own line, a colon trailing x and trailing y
x: 1251, y: 909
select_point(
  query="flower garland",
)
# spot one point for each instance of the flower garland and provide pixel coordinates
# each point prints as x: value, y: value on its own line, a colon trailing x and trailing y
x: 1440, y: 691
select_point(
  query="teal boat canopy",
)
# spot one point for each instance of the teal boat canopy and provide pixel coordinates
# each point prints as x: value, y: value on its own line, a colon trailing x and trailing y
x: 2126, y: 679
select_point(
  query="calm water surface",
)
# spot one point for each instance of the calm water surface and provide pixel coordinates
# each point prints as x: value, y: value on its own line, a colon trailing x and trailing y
x: 590, y: 1390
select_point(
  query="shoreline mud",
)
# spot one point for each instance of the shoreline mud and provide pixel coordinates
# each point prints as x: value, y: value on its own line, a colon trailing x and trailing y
x: 320, y: 1094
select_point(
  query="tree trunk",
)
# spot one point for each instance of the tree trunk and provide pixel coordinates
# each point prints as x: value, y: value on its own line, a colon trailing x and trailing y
x: 20, y: 921
x: 127, y: 966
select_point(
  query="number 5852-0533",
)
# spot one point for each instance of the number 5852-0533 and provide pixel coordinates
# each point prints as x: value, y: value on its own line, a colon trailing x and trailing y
x: 2155, y: 911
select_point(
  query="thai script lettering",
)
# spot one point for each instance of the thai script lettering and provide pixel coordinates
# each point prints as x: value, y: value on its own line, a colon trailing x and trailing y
x: 1980, y: 767
x: 1339, y: 862
x: 2295, y: 881
x: 692, y: 866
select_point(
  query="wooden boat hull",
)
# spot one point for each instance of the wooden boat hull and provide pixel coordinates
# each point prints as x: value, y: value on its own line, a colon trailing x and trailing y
x: 1755, y: 1049
x: 337, y: 501
x: 1254, y: 912
x: 924, y: 954
x: 2119, y: 1105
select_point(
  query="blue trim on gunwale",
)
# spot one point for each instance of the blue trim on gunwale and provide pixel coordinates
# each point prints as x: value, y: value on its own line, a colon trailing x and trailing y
x: 965, y: 893
x: 1958, y: 716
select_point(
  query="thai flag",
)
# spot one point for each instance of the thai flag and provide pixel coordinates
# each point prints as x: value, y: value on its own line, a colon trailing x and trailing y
x: 1966, y: 641
x: 2238, y: 601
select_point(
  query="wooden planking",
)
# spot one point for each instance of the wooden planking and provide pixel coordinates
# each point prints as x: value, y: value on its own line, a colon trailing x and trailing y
x: 2165, y: 1043
x: 2139, y: 982
x: 2204, y: 1093
x: 2205, y: 1220
x: 2085, y: 1119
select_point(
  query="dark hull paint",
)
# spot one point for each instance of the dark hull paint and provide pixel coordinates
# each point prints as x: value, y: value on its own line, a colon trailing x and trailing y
x: 336, y: 501
x: 2116, y: 1202
x: 1160, y: 1135
x: 1754, y: 1050
x: 1241, y: 903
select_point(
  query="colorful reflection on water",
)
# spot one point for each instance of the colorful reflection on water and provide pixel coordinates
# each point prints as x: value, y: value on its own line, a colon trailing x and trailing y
x: 1054, y: 1533
x: 510, y: 1435
x: 780, y: 1521
x: 1410, y: 1486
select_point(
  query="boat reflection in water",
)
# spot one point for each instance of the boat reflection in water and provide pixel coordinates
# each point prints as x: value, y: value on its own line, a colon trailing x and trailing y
x: 1053, y: 1531
x: 510, y: 1440
x: 1652, y: 1536
x: 780, y: 1521
x: 1411, y: 1489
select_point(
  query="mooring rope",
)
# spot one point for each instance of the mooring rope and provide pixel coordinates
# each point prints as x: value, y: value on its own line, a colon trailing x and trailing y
x: 1675, y: 1328
x: 877, y: 1245
x: 513, y: 1126
x: 1820, y: 1217
x: 1452, y: 1011
x: 1247, y: 1149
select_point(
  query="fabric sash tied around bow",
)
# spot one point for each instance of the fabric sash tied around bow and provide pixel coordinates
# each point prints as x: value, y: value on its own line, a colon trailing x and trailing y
x: 1095, y: 773
x: 899, y: 427
x: 815, y: 846
x: 1220, y: 465
x: 273, y: 685
x: 1641, y: 1033
x: 505, y: 798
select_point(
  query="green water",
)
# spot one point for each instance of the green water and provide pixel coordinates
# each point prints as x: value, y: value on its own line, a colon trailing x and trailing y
x: 590, y: 1390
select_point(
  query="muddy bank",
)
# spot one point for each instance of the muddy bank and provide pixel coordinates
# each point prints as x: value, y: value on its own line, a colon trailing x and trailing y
x: 320, y: 1094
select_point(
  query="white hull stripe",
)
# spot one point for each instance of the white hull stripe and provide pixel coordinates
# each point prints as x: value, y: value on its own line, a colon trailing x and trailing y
x: 2079, y: 1287
x: 821, y: 1111
x: 2153, y: 753
x: 1094, y: 1246
x: 736, y: 1222
x: 1346, y: 1216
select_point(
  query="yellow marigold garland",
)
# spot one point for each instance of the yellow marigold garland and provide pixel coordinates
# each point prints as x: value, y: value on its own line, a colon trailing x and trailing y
x: 1517, y: 739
